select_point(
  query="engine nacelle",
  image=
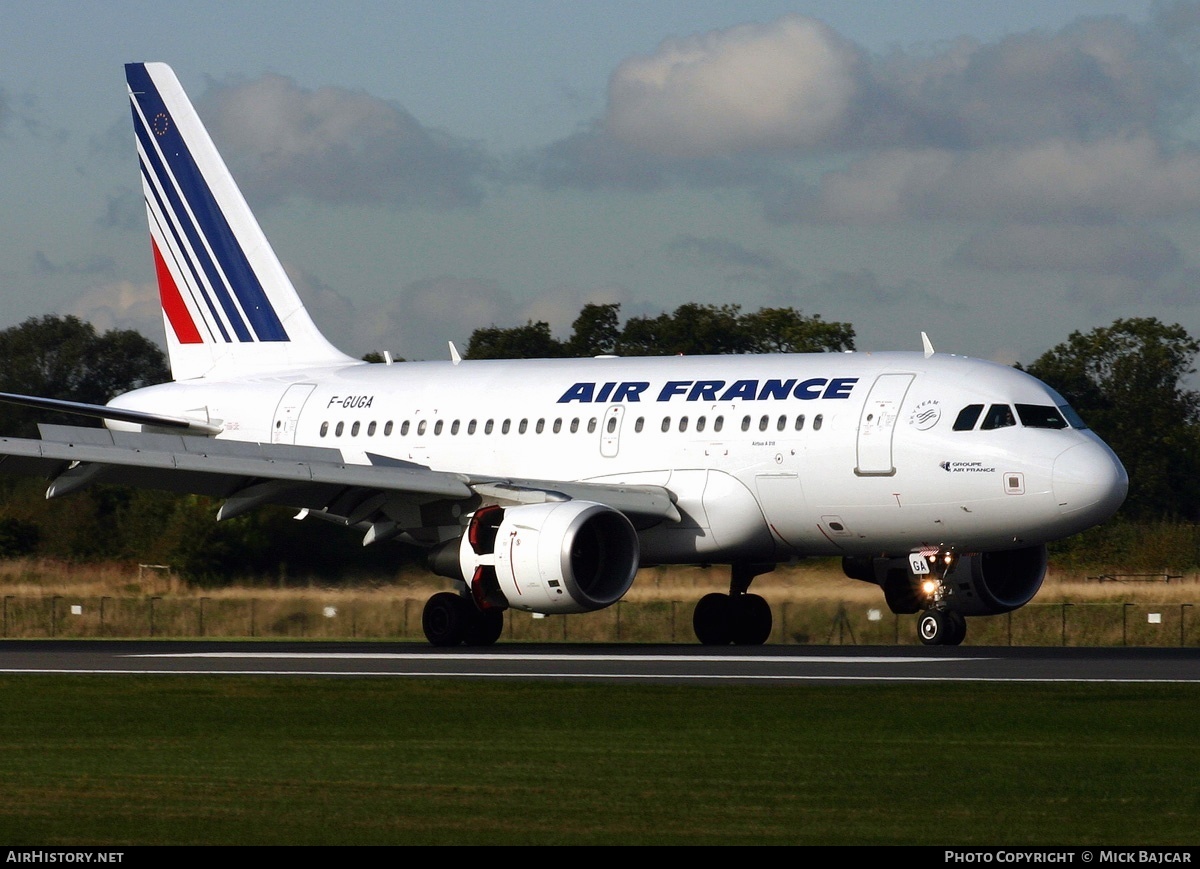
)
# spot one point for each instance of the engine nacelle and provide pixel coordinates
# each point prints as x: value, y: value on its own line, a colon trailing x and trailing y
x: 557, y: 557
x: 976, y: 584
x: 988, y: 583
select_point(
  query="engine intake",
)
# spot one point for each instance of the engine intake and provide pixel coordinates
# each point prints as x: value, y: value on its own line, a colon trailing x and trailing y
x: 557, y: 557
x: 977, y: 584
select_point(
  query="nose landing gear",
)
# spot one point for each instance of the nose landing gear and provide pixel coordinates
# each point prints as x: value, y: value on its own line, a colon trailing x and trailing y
x: 938, y: 625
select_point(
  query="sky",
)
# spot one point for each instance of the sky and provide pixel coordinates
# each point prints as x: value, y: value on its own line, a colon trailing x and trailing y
x: 997, y: 175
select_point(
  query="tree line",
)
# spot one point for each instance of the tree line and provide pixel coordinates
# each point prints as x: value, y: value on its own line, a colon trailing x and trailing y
x: 1128, y: 381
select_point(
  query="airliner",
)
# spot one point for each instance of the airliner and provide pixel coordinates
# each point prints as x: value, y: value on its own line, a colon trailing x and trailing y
x: 544, y: 485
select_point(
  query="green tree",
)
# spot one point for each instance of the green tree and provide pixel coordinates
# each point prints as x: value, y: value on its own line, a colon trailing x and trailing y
x: 531, y: 341
x: 595, y: 331
x: 1127, y: 382
x: 64, y: 357
x: 692, y: 330
x: 786, y: 330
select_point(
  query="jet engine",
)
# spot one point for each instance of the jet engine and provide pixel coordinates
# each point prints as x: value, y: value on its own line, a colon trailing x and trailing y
x: 972, y: 584
x: 556, y: 557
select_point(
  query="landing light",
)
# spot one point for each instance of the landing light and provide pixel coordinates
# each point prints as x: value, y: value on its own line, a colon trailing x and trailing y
x: 929, y: 587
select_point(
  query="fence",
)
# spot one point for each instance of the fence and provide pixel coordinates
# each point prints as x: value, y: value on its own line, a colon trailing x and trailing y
x: 795, y: 623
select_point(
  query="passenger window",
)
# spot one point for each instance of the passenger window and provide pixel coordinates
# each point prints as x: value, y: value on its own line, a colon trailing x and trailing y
x: 404, y: 428
x: 745, y: 423
x: 540, y: 427
x: 471, y: 427
x: 488, y: 426
x: 683, y: 423
x: 998, y: 416
x: 817, y: 420
x: 967, y: 417
x: 781, y: 424
x: 800, y: 422
x: 421, y: 428
x: 324, y: 429
x: 505, y: 426
x: 1040, y: 416
x: 574, y: 425
x: 454, y: 427
x: 340, y: 428
x: 437, y: 427
x: 718, y: 423
x: 524, y: 425
x: 354, y: 430
x: 592, y: 425
x: 763, y: 423
x: 639, y: 424
x: 666, y: 426
x: 612, y: 424
x: 700, y: 424
x: 387, y: 428
x: 557, y: 426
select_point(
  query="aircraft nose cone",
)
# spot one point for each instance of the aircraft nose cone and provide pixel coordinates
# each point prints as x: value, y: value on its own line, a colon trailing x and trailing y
x: 1089, y: 482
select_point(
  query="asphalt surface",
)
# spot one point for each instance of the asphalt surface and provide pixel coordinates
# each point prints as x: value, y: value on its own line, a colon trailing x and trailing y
x: 597, y: 662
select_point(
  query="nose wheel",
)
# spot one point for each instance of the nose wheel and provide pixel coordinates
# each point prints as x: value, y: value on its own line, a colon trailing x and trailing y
x: 942, y: 628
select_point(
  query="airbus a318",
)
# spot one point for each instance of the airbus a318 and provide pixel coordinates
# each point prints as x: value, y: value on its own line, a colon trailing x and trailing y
x: 544, y: 485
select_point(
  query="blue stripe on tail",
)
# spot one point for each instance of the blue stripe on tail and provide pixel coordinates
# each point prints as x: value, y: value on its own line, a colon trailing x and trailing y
x: 205, y: 222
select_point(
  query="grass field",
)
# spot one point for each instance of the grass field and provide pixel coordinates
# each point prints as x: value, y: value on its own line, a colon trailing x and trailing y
x: 813, y: 604
x: 302, y: 761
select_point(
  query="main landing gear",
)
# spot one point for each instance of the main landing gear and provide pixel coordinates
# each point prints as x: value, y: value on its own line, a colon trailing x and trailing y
x: 451, y: 619
x: 738, y: 617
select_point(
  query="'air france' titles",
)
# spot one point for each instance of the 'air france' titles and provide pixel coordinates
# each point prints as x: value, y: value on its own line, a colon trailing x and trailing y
x: 712, y: 390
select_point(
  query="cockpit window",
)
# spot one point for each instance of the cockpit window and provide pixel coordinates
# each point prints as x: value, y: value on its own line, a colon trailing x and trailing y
x: 1073, y: 418
x: 967, y: 417
x: 998, y: 416
x: 1040, y: 416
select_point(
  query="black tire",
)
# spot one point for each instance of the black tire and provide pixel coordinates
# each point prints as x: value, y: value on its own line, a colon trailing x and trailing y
x: 750, y: 620
x: 484, y: 628
x: 956, y: 629
x: 445, y: 619
x: 712, y: 620
x: 933, y: 628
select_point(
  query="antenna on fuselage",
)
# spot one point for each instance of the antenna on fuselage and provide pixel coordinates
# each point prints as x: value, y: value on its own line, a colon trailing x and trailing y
x: 928, y: 345
x: 455, y: 356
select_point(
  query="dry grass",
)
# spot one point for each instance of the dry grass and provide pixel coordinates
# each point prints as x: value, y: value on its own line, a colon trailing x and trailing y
x: 820, y: 579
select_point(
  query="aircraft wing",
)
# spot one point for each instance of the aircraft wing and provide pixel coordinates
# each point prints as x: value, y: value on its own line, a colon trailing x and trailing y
x: 388, y: 496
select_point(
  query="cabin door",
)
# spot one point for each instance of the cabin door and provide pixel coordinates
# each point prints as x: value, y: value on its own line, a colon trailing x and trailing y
x: 878, y: 424
x: 287, y: 414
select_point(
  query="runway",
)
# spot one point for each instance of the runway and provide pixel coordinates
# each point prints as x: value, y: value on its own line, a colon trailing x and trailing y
x: 777, y: 665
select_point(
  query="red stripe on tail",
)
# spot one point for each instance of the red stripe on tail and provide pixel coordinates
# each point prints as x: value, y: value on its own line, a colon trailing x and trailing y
x: 172, y: 303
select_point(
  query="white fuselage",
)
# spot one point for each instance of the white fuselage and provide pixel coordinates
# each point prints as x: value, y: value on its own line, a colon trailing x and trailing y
x: 768, y: 457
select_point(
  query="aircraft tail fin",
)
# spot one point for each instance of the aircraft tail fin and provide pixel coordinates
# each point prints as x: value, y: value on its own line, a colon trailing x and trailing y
x: 228, y: 305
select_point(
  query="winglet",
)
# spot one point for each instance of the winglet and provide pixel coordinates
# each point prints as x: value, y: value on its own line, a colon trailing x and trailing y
x: 927, y: 344
x: 455, y: 356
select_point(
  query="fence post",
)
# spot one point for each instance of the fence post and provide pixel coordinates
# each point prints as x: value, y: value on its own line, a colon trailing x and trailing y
x: 1125, y: 623
x: 1182, y: 607
x: 152, y: 600
x: 1064, y: 623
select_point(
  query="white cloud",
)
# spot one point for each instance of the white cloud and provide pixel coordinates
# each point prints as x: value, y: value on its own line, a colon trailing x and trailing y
x: 783, y: 85
x: 1115, y: 178
x: 122, y: 305
x: 336, y: 145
